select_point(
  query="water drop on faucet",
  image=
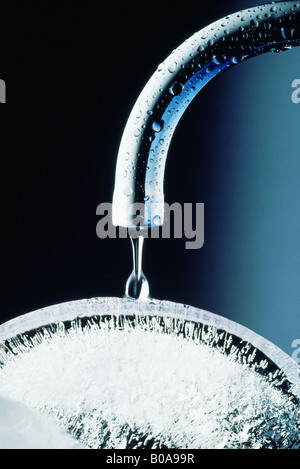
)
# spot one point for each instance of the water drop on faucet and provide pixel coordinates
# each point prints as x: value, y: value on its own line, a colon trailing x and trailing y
x: 172, y: 67
x: 137, y: 286
x: 176, y: 88
x: 287, y: 32
x: 157, y: 126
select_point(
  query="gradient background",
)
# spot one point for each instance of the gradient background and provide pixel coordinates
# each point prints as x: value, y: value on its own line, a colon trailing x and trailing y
x: 73, y: 72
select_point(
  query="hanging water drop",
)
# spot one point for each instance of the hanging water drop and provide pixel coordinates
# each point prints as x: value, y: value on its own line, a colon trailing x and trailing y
x: 137, y: 286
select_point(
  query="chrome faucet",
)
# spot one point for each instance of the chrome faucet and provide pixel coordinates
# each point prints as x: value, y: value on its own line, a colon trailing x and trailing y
x: 271, y: 27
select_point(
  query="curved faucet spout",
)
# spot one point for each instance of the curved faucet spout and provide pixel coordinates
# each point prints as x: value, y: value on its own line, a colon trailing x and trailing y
x: 151, y: 124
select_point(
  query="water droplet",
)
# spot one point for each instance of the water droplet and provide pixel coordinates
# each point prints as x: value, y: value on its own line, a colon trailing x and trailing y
x: 172, y: 67
x: 128, y: 191
x: 243, y: 18
x: 217, y: 59
x: 273, y: 9
x: 161, y: 142
x: 226, y: 31
x: 267, y: 26
x: 235, y: 60
x: 125, y: 174
x: 287, y: 32
x: 146, y: 198
x: 157, y: 220
x: 176, y: 88
x: 204, y: 35
x: 263, y: 34
x: 200, y: 49
x: 254, y: 23
x: 209, y: 69
x: 157, y: 125
x: 210, y: 43
x: 137, y: 132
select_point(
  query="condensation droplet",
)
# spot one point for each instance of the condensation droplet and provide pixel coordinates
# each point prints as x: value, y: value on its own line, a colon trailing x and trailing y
x: 161, y: 142
x: 128, y: 191
x: 209, y: 69
x: 157, y: 220
x: 146, y: 198
x: 254, y: 23
x: 263, y: 34
x: 137, y: 132
x: 172, y: 67
x: 273, y: 9
x: 217, y: 60
x: 287, y: 33
x: 157, y: 125
x: 267, y: 26
x: 176, y: 88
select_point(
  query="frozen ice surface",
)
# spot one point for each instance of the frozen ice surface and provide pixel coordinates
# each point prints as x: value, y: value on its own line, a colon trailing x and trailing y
x: 126, y: 380
x: 23, y: 428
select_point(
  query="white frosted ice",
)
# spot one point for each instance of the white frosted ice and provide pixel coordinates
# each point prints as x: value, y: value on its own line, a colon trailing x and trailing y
x: 146, y: 384
x: 23, y: 428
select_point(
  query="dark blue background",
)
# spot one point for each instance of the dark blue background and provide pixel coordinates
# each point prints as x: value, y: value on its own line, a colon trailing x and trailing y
x: 73, y: 72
